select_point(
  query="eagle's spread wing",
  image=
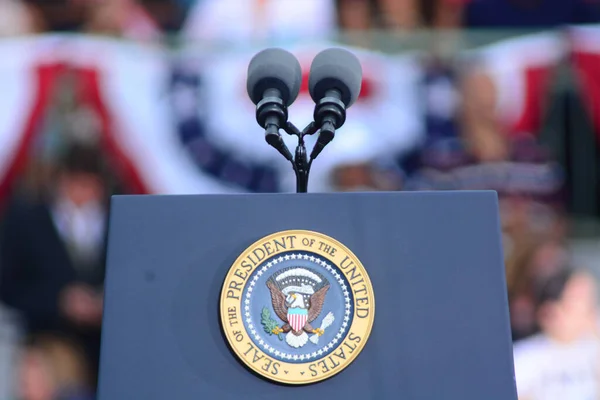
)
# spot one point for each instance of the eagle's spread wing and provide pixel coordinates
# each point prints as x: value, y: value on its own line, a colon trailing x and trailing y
x: 278, y: 300
x: 316, y: 303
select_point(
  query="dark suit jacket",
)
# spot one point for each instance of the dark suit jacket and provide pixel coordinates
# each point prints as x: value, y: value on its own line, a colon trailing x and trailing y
x: 35, y: 266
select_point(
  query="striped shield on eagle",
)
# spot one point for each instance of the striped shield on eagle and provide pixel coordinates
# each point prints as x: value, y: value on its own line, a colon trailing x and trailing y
x: 298, y: 294
x: 297, y: 318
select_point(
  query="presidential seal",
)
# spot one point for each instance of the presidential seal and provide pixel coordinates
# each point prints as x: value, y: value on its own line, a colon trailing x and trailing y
x: 297, y: 307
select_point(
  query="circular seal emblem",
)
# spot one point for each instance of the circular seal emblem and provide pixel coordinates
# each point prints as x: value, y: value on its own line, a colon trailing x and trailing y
x: 297, y: 307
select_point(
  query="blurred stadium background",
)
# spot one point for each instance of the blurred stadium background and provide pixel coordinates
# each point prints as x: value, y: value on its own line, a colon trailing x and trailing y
x: 101, y: 97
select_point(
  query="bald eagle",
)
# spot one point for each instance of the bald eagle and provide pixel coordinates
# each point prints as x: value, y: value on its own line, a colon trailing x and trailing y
x: 297, y: 308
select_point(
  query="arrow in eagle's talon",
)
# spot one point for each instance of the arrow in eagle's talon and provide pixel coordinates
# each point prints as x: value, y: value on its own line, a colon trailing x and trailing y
x: 327, y: 321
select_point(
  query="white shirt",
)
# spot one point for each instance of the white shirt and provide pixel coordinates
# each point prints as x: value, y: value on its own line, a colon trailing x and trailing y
x: 548, y: 370
x: 81, y: 227
x: 243, y: 20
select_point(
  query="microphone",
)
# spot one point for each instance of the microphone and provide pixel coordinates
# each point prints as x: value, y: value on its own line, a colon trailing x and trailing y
x: 273, y: 84
x: 334, y: 84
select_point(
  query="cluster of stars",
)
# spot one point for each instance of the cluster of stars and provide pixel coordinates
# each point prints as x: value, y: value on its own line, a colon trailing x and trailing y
x: 295, y: 357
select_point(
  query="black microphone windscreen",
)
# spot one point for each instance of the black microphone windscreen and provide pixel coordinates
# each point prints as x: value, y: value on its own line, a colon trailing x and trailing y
x: 335, y: 69
x: 274, y: 69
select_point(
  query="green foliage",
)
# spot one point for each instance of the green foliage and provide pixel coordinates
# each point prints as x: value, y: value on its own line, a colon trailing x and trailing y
x: 268, y: 323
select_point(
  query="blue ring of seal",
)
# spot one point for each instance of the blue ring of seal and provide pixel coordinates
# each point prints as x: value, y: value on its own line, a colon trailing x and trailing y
x: 256, y: 297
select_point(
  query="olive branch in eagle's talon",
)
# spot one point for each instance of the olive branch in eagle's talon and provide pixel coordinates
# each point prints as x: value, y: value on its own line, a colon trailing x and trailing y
x: 277, y: 330
x: 269, y: 324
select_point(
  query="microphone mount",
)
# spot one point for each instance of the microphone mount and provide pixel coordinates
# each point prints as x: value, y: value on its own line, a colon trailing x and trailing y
x: 272, y: 115
x: 330, y: 114
x: 300, y: 163
x: 270, y: 118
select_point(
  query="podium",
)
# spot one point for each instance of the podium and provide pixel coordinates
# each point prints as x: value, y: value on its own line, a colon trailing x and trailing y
x: 435, y: 262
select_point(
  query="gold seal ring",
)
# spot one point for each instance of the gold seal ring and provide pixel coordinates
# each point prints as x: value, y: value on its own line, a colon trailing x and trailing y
x: 297, y: 307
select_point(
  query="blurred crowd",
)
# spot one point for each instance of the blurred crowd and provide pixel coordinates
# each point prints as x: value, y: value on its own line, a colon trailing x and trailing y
x: 54, y: 222
x: 148, y: 19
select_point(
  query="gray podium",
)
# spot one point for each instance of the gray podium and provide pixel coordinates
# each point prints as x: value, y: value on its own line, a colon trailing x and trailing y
x: 441, y: 329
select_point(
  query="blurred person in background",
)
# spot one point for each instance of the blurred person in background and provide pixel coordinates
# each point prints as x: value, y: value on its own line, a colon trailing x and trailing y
x: 59, y: 15
x: 355, y: 15
x: 18, y: 18
x: 236, y: 21
x: 362, y: 177
x: 392, y: 15
x: 131, y: 19
x: 399, y: 15
x: 534, y: 258
x: 533, y: 198
x: 52, y: 254
x: 123, y: 18
x: 562, y: 361
x: 441, y: 14
x: 51, y: 368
